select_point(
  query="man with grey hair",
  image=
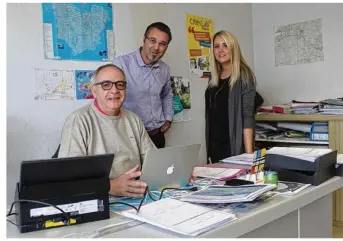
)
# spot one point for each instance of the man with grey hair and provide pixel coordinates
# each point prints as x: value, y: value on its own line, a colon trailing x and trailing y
x: 103, y: 126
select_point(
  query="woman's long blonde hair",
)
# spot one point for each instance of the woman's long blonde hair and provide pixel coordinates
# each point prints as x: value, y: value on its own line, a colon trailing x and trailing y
x: 240, y: 68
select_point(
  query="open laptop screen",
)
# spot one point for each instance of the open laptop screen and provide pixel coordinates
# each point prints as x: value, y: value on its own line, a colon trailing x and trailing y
x: 170, y: 166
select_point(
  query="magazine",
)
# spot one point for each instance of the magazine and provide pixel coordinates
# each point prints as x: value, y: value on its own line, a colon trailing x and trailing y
x: 228, y: 194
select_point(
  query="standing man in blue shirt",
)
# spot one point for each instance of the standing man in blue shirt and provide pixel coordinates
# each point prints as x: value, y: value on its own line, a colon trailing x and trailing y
x: 148, y: 91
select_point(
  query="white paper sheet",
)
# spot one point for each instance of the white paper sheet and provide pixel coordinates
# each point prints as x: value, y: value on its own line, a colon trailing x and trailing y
x: 180, y: 217
x: 308, y: 154
x: 216, y: 172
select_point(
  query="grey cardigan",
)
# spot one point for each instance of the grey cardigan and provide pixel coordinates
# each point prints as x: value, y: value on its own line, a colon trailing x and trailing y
x: 241, y: 115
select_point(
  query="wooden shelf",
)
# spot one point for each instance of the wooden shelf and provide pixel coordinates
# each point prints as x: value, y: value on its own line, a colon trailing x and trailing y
x: 297, y: 117
x: 296, y: 141
x: 335, y: 143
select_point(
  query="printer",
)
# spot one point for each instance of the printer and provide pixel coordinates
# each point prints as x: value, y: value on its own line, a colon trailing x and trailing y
x: 303, y: 165
x: 78, y: 186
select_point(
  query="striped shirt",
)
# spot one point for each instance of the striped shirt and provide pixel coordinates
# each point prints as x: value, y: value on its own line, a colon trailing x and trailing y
x: 148, y: 91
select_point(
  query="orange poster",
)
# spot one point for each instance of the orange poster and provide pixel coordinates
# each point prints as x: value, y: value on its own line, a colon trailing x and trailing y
x: 199, y: 33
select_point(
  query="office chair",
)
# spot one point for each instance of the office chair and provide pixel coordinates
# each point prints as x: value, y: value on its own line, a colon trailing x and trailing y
x: 56, y: 153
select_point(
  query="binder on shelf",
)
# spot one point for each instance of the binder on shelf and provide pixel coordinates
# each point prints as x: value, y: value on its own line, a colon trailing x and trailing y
x: 299, y: 170
x: 319, y: 132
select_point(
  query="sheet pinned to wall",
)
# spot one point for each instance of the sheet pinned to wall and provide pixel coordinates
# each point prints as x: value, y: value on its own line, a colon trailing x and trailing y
x: 182, y: 98
x: 199, y: 33
x: 54, y: 84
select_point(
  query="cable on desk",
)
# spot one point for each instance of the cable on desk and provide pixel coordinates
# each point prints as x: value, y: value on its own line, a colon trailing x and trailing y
x: 147, y: 193
x: 140, y: 204
x: 19, y: 226
x: 112, y: 228
x: 11, y: 214
x: 180, y: 189
x: 127, y: 204
x: 66, y: 215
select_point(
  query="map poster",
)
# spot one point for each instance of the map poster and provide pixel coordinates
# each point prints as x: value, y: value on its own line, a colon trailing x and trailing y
x: 78, y: 31
x: 299, y: 43
x: 199, y: 32
x: 83, y: 84
x: 55, y: 84
x: 181, y: 99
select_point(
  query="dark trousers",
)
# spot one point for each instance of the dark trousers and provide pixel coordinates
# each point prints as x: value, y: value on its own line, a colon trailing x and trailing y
x: 158, y: 139
x: 218, y: 151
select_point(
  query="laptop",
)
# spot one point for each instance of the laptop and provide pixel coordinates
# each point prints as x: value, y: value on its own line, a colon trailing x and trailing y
x: 43, y: 171
x: 170, y: 166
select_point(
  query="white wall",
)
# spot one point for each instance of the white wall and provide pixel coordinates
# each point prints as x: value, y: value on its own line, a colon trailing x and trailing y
x: 33, y: 127
x: 315, y: 81
x: 225, y: 16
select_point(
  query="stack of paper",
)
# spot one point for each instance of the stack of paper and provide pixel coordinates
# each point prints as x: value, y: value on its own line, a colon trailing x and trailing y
x: 267, y: 126
x: 290, y: 188
x: 300, y: 107
x: 307, y: 154
x: 181, y: 217
x: 218, y: 173
x: 331, y: 106
x: 304, y: 127
x: 243, y: 159
x: 228, y: 194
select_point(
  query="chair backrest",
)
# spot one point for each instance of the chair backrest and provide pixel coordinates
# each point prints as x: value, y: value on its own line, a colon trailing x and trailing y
x: 56, y: 153
x: 258, y: 101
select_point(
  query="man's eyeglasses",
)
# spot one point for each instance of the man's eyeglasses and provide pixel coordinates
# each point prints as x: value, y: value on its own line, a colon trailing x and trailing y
x: 107, y: 85
x: 152, y: 40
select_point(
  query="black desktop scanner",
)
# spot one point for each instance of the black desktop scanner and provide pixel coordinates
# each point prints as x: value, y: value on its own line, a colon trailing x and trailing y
x: 62, y: 191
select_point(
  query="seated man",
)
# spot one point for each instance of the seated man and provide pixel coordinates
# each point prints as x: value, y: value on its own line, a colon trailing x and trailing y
x: 104, y: 127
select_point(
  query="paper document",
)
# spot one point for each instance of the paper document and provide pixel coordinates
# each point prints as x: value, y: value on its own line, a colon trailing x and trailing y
x: 218, y: 173
x: 302, y: 104
x: 295, y: 126
x: 266, y: 126
x: 332, y: 102
x: 307, y: 154
x: 181, y: 217
x: 244, y: 159
x: 135, y: 201
x: 290, y: 188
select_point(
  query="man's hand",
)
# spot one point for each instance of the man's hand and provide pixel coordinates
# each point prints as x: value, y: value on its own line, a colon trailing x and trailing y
x: 165, y: 127
x: 192, y: 178
x: 126, y: 185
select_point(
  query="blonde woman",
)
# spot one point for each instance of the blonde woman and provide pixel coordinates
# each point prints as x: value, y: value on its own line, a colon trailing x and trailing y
x: 229, y: 100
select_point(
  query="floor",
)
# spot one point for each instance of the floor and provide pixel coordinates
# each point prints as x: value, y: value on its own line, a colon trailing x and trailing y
x: 337, y: 232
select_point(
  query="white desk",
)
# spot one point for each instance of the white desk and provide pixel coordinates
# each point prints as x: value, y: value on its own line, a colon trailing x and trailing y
x: 307, y: 214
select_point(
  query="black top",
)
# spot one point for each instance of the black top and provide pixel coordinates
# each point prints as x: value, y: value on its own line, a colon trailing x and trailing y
x: 240, y: 115
x: 217, y: 106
